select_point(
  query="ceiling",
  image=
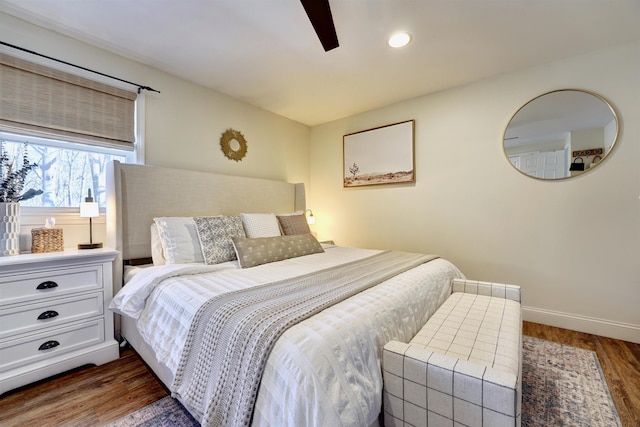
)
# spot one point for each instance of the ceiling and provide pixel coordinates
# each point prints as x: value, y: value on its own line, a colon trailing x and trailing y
x: 266, y: 53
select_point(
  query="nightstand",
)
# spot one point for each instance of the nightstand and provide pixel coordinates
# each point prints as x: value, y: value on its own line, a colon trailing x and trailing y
x: 53, y: 314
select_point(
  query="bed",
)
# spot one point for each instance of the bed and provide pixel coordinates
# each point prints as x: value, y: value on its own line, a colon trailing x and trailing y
x: 322, y: 370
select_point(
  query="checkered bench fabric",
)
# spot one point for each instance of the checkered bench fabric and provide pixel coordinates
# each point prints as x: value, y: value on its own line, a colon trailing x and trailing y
x: 463, y: 368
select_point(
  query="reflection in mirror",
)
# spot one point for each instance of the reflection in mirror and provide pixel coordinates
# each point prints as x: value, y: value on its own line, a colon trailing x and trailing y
x: 561, y: 134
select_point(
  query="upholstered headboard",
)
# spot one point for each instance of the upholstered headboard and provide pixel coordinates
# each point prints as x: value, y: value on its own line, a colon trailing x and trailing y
x: 136, y: 194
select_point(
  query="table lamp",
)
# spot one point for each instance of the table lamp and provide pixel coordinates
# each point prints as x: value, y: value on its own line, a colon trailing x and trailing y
x: 89, y: 209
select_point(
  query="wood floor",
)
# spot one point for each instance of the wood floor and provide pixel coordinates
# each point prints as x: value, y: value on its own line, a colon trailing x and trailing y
x: 95, y: 396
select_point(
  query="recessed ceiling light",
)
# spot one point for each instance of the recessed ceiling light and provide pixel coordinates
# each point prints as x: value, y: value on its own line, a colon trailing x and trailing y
x: 399, y: 39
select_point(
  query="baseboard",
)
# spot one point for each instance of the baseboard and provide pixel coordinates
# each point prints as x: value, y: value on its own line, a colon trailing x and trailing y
x: 590, y: 325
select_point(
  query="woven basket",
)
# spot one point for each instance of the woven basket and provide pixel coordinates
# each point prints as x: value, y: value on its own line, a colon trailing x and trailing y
x: 46, y: 240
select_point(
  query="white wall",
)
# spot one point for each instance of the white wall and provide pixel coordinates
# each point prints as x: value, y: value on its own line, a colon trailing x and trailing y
x: 574, y: 246
x: 183, y: 123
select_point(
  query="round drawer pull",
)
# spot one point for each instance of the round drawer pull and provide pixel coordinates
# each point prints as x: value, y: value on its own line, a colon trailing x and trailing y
x: 48, y: 315
x: 49, y: 284
x: 48, y: 345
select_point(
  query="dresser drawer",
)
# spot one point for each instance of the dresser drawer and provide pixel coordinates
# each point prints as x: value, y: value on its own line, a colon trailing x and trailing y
x: 46, y: 345
x: 49, y: 284
x: 34, y: 317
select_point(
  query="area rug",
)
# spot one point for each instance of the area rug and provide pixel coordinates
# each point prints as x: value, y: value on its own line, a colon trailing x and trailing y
x: 562, y: 386
x: 166, y: 412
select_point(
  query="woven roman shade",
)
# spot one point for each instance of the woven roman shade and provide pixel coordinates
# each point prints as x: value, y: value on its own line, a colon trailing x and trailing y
x: 39, y: 101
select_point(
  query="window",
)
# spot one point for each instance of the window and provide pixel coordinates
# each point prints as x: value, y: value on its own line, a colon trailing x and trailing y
x: 70, y: 125
x: 65, y: 170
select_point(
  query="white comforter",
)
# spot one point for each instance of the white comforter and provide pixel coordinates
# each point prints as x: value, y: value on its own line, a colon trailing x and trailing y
x: 325, y: 371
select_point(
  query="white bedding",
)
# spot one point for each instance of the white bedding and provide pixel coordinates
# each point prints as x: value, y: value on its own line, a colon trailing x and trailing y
x: 323, y: 371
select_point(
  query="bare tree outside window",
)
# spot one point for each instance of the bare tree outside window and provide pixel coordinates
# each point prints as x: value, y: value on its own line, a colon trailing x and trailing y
x: 63, y: 174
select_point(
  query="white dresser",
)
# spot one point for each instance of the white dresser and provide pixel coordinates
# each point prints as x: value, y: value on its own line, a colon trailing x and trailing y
x: 53, y: 314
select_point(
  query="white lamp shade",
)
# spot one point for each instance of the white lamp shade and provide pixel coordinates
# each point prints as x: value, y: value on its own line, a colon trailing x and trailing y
x: 89, y: 209
x: 310, y: 219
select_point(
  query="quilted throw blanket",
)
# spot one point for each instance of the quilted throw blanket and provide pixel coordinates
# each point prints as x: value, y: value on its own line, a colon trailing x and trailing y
x: 232, y: 334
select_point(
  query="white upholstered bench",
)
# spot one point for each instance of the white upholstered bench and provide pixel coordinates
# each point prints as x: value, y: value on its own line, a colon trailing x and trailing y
x: 464, y: 367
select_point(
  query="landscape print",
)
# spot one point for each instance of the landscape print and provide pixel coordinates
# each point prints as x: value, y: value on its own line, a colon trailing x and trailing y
x: 383, y: 155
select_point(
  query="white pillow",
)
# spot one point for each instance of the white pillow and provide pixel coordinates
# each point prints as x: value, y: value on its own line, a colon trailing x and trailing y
x: 179, y: 238
x: 260, y: 225
x: 157, y: 254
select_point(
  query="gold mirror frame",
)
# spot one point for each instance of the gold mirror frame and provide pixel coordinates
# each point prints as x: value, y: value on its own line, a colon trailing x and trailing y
x: 561, y: 128
x: 225, y: 145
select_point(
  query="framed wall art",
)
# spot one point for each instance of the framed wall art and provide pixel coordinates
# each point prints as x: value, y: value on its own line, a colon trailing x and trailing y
x: 382, y: 155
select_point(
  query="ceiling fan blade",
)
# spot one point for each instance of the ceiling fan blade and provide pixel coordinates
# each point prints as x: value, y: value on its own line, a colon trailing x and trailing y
x: 319, y: 14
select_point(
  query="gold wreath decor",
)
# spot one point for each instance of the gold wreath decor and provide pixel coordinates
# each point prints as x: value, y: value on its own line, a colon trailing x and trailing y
x: 225, y: 144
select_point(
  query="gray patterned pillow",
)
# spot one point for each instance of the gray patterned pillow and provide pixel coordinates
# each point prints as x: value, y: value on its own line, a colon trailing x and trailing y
x: 293, y: 224
x: 215, y: 233
x: 262, y: 250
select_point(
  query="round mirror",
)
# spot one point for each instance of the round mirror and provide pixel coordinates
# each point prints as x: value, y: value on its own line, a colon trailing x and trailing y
x: 234, y: 145
x: 561, y: 134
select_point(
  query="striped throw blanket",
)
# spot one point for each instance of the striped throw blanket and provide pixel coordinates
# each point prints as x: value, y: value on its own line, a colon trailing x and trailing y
x: 232, y: 334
